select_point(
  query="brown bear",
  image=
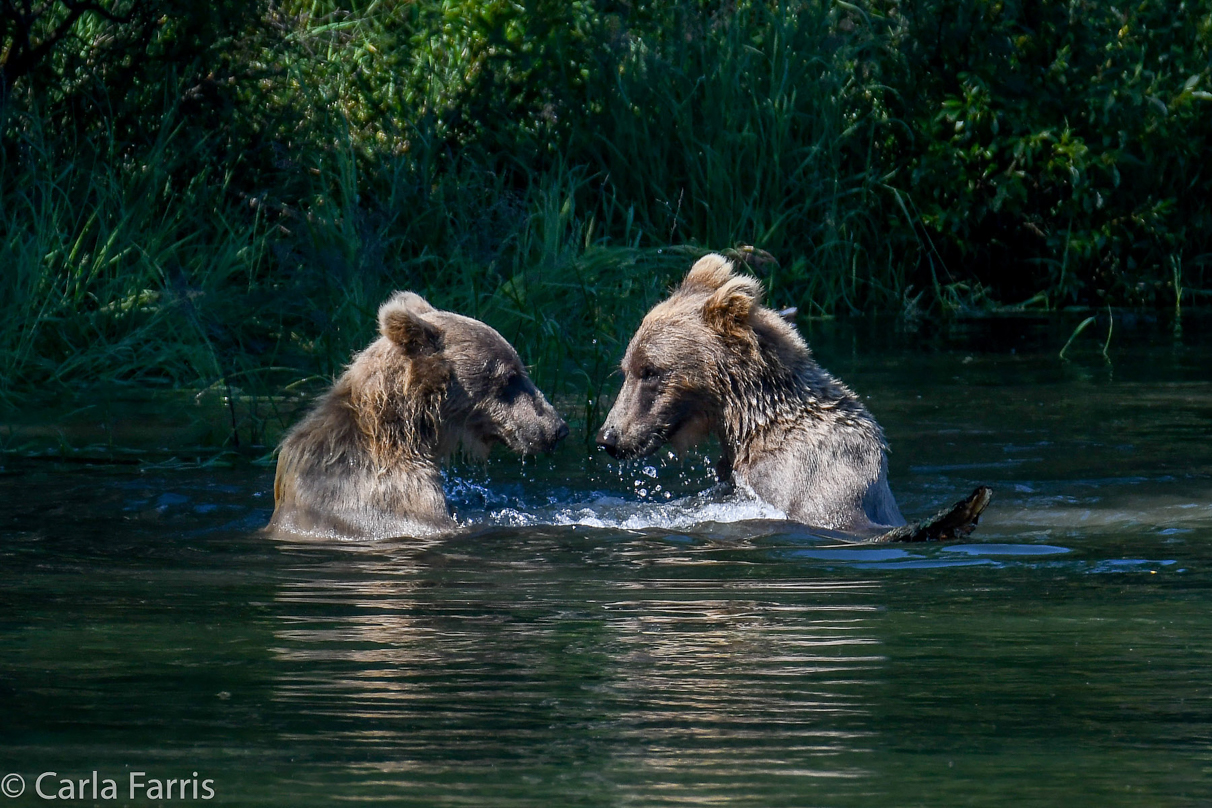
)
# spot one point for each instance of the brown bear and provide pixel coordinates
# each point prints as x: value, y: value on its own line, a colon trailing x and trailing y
x: 364, y: 462
x: 711, y: 360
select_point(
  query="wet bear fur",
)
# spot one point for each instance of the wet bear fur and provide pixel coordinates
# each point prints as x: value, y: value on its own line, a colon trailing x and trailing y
x: 364, y: 463
x: 712, y: 360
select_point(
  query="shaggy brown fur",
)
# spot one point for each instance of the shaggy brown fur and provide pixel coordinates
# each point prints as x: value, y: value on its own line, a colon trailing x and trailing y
x: 364, y: 462
x: 711, y: 359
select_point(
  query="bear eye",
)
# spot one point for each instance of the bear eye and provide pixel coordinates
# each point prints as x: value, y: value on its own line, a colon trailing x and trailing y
x: 511, y: 385
x: 649, y: 374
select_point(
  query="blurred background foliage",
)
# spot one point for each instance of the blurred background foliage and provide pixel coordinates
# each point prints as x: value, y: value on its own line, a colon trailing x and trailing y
x: 218, y: 195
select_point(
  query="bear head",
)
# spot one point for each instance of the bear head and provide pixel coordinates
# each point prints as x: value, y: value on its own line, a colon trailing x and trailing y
x: 483, y: 392
x: 708, y: 344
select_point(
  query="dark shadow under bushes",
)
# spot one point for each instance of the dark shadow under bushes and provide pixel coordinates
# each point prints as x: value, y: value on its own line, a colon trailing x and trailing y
x: 1056, y: 147
x: 203, y: 196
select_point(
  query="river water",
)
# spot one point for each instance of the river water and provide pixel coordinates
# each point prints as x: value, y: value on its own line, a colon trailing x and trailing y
x: 611, y: 635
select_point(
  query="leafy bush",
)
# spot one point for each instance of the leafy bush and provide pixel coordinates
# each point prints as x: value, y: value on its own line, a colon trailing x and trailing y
x: 1055, y: 147
x: 222, y: 193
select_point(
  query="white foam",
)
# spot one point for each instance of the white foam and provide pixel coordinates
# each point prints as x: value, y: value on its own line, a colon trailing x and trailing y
x: 614, y: 512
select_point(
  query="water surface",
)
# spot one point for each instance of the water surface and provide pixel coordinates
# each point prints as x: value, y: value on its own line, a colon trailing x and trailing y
x: 610, y: 635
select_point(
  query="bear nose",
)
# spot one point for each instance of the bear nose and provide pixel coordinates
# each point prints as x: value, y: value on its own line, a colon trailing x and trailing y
x: 608, y: 439
x: 562, y: 432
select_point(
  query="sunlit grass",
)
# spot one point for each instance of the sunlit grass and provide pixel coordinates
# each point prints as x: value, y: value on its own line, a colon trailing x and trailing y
x: 232, y: 224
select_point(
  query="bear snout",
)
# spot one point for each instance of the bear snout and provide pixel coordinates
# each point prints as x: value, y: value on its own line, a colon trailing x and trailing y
x: 608, y: 439
x: 545, y: 438
x: 554, y: 436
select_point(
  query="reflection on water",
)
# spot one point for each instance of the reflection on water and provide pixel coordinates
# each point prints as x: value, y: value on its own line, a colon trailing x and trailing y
x: 447, y: 664
x: 618, y: 635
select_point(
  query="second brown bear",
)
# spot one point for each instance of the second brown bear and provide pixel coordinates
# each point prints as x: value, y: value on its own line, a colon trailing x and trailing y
x: 712, y: 360
x: 364, y: 463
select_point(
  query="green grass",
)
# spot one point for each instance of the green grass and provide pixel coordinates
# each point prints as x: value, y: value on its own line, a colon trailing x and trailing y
x: 219, y: 201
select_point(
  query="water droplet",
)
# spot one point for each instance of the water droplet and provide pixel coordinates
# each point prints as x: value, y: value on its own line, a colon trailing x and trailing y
x: 650, y: 471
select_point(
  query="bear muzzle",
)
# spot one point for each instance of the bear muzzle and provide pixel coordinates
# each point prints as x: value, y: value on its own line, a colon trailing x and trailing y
x: 624, y: 448
x: 541, y: 438
x: 608, y: 439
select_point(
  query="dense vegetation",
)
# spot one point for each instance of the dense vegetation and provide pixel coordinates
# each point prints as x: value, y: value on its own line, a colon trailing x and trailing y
x: 220, y: 194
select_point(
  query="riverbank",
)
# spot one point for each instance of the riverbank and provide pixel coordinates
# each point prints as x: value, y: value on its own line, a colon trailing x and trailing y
x: 219, y: 197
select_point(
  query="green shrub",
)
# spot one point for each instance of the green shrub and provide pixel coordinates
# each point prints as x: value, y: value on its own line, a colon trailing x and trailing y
x: 221, y: 194
x: 1055, y: 146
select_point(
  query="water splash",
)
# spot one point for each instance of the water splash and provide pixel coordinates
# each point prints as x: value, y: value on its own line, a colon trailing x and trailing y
x: 606, y: 511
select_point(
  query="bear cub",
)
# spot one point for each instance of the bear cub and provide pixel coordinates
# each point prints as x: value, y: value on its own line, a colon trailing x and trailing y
x: 364, y: 463
x: 712, y: 360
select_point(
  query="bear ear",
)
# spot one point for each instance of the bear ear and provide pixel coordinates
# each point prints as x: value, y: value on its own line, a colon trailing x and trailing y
x: 708, y: 273
x: 400, y: 321
x: 729, y: 307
